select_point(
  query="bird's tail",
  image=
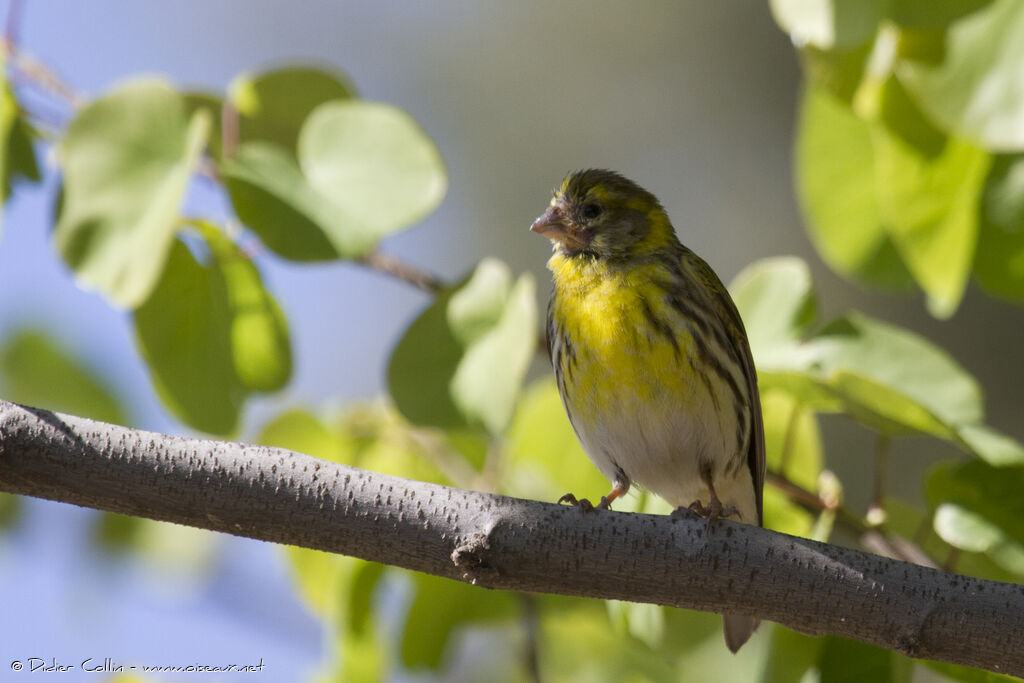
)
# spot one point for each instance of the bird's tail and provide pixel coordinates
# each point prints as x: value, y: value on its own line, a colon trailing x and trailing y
x: 738, y: 629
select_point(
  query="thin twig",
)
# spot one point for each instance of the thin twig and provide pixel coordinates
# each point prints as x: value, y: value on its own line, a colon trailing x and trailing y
x: 406, y: 272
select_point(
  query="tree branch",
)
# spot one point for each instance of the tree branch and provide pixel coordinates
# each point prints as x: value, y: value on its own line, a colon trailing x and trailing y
x: 499, y: 542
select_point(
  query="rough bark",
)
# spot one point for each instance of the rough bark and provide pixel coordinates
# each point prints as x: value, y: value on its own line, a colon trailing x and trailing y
x: 499, y: 542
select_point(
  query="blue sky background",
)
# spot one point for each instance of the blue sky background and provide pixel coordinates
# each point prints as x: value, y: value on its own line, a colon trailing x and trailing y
x: 696, y: 101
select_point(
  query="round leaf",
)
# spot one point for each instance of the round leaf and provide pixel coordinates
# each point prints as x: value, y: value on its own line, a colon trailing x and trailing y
x: 127, y: 159
x: 835, y: 177
x: 978, y: 90
x: 373, y: 164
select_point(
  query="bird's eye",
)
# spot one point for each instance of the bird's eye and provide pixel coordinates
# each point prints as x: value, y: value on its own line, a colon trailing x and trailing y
x: 591, y: 211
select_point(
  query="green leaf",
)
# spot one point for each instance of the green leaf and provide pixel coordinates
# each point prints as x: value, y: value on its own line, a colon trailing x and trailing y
x: 991, y: 446
x: 837, y: 72
x: 776, y: 299
x: 885, y: 370
x: 957, y: 672
x: 17, y: 157
x: 36, y: 371
x: 10, y: 510
x: 979, y: 508
x: 184, y: 334
x: 274, y: 104
x: 999, y: 261
x: 127, y: 160
x: 829, y: 24
x: 301, y: 431
x: 793, y: 655
x: 213, y: 106
x: 439, y: 606
x: 849, y: 661
x: 977, y: 92
x: 932, y: 13
x: 260, y: 345
x: 372, y: 164
x: 210, y: 334
x: 835, y: 178
x: 543, y: 456
x: 487, y: 381
x: 422, y: 365
x: 792, y: 439
x: 435, y: 379
x: 929, y: 205
x: 273, y: 199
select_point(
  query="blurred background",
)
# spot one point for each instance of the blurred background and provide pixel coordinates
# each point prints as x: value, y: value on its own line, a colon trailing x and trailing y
x: 695, y: 101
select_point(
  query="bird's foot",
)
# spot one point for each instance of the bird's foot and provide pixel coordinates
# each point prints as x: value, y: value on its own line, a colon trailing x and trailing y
x: 714, y: 510
x: 586, y: 505
x: 581, y: 503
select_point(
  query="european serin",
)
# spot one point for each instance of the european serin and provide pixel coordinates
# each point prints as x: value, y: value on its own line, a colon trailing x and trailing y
x: 651, y: 357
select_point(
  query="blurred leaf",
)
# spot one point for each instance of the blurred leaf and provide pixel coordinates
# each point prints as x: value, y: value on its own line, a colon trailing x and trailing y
x: 885, y: 370
x: 999, y: 261
x: 274, y: 104
x: 184, y: 334
x: 842, y: 660
x: 932, y: 13
x: 965, y: 673
x: 438, y: 607
x: 17, y: 157
x: 127, y: 159
x: 487, y: 382
x: 273, y: 199
x: 643, y: 621
x: 477, y: 306
x: 301, y: 431
x: 372, y: 164
x: 260, y: 344
x: 908, y: 522
x: 187, y: 552
x: 836, y: 187
x: 793, y: 448
x: 213, y: 106
x: 837, y: 72
x: 435, y: 380
x: 544, y: 458
x: 421, y: 368
x: 38, y: 372
x: 991, y: 446
x: 793, y: 655
x: 929, y: 205
x: 829, y: 24
x: 579, y: 644
x: 977, y: 92
x: 979, y: 508
x: 776, y: 299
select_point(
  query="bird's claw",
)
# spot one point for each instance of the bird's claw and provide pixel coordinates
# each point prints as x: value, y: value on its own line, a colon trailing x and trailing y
x: 712, y: 512
x: 584, y: 504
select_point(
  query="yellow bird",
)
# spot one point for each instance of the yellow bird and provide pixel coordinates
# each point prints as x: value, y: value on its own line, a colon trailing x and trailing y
x: 651, y: 357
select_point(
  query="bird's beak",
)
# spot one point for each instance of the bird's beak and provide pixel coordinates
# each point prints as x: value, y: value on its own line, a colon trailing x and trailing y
x: 553, y: 225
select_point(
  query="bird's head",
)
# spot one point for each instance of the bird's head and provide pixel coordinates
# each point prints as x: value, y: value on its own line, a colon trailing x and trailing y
x: 604, y: 215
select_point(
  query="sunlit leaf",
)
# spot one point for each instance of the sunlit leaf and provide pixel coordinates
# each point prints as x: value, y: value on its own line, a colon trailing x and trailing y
x: 273, y: 105
x: 464, y: 363
x: 999, y: 261
x: 829, y: 23
x: 301, y: 431
x: 929, y: 205
x: 776, y: 299
x: 836, y: 168
x: 260, y: 343
x: 36, y: 371
x: 977, y: 92
x: 372, y: 164
x: 979, y: 508
x: 127, y: 159
x: 17, y: 158
x: 441, y: 605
